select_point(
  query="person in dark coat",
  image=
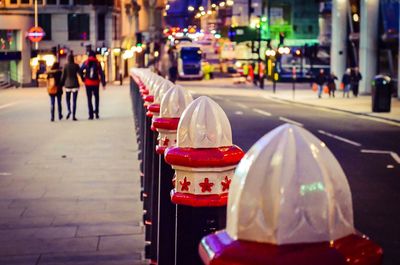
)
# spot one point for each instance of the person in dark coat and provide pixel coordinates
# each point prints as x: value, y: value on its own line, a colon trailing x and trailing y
x: 71, y: 83
x: 55, y: 74
x: 173, y: 62
x: 320, y: 80
x: 346, y: 81
x: 355, y: 80
x: 92, y: 76
x: 330, y: 82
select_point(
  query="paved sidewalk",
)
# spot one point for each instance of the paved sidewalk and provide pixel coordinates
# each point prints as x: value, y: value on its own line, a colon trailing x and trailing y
x: 361, y: 105
x: 69, y: 191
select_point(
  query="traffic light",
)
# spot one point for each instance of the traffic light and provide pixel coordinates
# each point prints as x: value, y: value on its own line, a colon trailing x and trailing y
x: 297, y: 53
x: 139, y: 39
x: 264, y: 29
x: 62, y: 52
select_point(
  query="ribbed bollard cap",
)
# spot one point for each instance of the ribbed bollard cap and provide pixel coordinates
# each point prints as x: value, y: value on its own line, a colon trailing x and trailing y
x: 153, y: 82
x: 173, y: 103
x: 204, y: 124
x: 289, y: 203
x: 289, y: 188
x: 161, y: 86
x: 204, y: 158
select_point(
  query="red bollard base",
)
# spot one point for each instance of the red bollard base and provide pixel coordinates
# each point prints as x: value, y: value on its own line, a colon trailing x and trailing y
x: 221, y: 249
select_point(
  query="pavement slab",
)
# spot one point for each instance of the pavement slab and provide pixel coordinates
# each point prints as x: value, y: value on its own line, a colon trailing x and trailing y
x: 69, y: 191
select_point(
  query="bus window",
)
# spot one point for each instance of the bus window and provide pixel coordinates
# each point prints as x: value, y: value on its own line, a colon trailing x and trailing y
x: 190, y: 54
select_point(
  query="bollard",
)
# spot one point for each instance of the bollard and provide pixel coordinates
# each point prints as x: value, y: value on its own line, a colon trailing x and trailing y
x: 160, y: 88
x: 289, y: 203
x: 173, y: 103
x: 150, y: 168
x: 148, y: 97
x: 204, y: 161
x: 137, y: 101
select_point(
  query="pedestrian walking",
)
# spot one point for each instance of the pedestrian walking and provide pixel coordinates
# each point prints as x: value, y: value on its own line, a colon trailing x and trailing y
x: 54, y: 88
x: 320, y: 80
x: 70, y: 81
x: 355, y: 80
x: 330, y: 82
x: 346, y: 81
x: 92, y: 74
x: 173, y: 61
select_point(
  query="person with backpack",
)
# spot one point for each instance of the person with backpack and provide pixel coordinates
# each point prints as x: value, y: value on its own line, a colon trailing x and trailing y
x: 93, y: 74
x: 70, y: 81
x: 54, y: 88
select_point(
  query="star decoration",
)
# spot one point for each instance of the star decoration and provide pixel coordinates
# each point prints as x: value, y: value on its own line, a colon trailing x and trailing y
x: 226, y: 183
x: 206, y: 185
x: 184, y: 184
x: 165, y: 141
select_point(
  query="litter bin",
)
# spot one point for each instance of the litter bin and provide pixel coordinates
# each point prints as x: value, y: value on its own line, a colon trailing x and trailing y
x: 381, y: 93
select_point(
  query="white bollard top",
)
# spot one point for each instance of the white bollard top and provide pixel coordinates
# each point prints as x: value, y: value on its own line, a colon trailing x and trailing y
x: 289, y: 188
x: 159, y: 91
x: 153, y: 82
x: 174, y: 102
x: 204, y: 124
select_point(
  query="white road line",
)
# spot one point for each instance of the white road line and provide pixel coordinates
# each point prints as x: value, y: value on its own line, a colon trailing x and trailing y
x: 9, y: 105
x: 239, y: 112
x: 242, y: 105
x: 339, y: 138
x: 394, y: 155
x: 262, y: 112
x: 291, y: 121
x: 276, y: 100
x: 5, y: 174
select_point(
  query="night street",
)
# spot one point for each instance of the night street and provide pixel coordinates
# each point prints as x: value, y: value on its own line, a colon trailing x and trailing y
x: 198, y: 132
x: 373, y: 178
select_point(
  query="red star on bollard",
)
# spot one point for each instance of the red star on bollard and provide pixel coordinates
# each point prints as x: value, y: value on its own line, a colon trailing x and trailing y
x: 206, y: 185
x: 165, y: 141
x: 185, y: 184
x: 226, y: 183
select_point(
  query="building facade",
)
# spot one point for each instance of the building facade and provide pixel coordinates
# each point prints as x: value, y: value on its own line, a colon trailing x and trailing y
x: 70, y: 26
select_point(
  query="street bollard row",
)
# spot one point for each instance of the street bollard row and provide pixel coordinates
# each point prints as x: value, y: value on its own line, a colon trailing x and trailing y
x: 287, y: 201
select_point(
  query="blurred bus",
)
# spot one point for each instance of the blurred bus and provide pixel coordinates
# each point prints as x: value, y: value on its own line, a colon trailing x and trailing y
x: 189, y: 61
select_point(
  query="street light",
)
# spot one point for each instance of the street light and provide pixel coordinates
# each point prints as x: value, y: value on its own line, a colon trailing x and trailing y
x: 190, y: 8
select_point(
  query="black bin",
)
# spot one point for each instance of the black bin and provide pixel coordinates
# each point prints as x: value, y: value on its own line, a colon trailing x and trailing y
x: 381, y: 93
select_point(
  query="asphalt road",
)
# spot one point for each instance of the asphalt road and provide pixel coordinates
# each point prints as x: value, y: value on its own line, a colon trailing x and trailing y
x: 374, y: 178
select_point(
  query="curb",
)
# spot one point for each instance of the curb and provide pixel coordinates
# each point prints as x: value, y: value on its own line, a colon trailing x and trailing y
x: 336, y: 109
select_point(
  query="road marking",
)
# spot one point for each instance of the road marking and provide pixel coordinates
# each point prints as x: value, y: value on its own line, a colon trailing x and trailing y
x: 394, y: 155
x: 332, y: 110
x: 262, y: 112
x: 239, y: 112
x: 5, y: 174
x: 217, y: 97
x: 242, y: 105
x: 291, y: 121
x: 8, y: 105
x: 276, y: 99
x: 389, y: 166
x: 339, y: 138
